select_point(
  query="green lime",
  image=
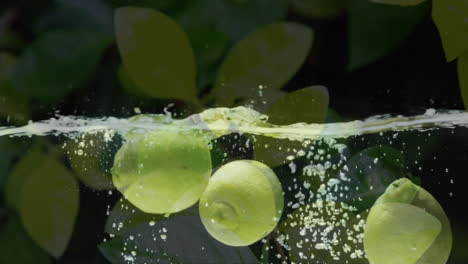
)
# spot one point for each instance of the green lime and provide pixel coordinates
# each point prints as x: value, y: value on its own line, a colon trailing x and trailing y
x: 242, y: 203
x: 162, y: 171
x: 407, y: 225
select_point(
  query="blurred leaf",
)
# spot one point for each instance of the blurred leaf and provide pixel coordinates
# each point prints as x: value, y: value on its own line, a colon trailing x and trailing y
x: 179, y: 239
x: 307, y: 105
x: 334, y: 117
x: 321, y: 9
x: 209, y: 46
x: 235, y: 18
x: 162, y: 5
x: 368, y: 173
x: 17, y: 247
x: 92, y: 15
x: 399, y: 2
x: 127, y: 83
x: 124, y: 217
x: 7, y: 66
x: 156, y: 53
x: 268, y: 57
x: 91, y: 157
x: 20, y: 173
x: 48, y: 205
x: 324, y: 232
x: 377, y: 29
x: 10, y: 149
x: 57, y: 63
x: 463, y: 77
x: 450, y: 18
x: 11, y: 40
x: 12, y: 105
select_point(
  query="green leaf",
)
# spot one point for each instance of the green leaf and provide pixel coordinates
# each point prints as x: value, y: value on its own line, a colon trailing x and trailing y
x: 450, y: 18
x: 124, y: 217
x: 377, y: 29
x: 399, y: 2
x: 156, y: 53
x: 179, y: 239
x: 48, y: 205
x: 462, y: 64
x: 321, y: 9
x: 57, y: 63
x: 17, y: 247
x: 20, y: 173
x: 235, y: 18
x: 10, y: 148
x: 307, y: 105
x: 12, y: 105
x: 7, y: 66
x: 268, y: 57
x: 209, y: 46
x: 91, y: 158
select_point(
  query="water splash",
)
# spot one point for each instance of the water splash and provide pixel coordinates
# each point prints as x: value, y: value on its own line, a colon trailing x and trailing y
x: 223, y: 121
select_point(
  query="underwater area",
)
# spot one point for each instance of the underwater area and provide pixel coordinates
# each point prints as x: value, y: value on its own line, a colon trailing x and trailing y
x: 233, y: 131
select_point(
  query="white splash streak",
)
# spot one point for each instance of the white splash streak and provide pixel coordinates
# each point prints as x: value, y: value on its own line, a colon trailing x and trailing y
x: 224, y: 121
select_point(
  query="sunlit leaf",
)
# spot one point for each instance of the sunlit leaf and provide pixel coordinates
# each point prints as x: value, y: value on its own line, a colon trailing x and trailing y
x: 463, y: 77
x: 17, y: 247
x: 48, y: 205
x: 321, y: 9
x: 399, y: 2
x: 156, y: 53
x: 178, y: 239
x: 57, y: 63
x: 377, y: 29
x: 235, y: 18
x: 450, y: 18
x: 308, y: 105
x: 268, y: 58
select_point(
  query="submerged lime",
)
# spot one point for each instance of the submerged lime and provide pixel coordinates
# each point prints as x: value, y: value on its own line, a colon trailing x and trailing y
x: 242, y: 203
x: 407, y: 225
x: 162, y: 171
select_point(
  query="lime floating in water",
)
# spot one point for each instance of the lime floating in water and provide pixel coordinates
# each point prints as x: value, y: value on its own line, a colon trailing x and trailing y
x: 242, y: 203
x: 162, y: 171
x: 407, y: 225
